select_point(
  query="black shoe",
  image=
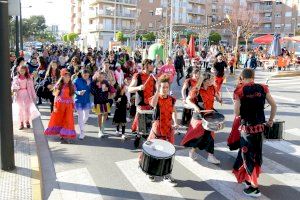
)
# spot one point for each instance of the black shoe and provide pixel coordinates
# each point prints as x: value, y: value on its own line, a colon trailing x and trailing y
x: 246, y: 184
x: 21, y: 126
x: 28, y: 125
x: 252, y: 192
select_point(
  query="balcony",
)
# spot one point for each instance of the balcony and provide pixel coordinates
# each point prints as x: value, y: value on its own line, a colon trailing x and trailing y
x: 267, y: 19
x: 194, y: 21
x: 197, y: 1
x: 266, y: 8
x: 95, y: 27
x: 266, y: 30
x: 196, y: 11
x: 125, y: 2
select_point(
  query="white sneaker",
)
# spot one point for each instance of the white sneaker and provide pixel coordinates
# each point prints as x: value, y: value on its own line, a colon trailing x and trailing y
x: 193, y: 155
x: 171, y: 180
x: 124, y: 137
x: 81, y: 136
x: 118, y: 133
x: 212, y: 159
x: 100, y: 134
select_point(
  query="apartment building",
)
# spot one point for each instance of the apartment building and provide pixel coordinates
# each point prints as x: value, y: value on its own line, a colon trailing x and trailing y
x: 185, y: 13
x: 101, y: 19
x: 281, y: 16
x: 97, y: 20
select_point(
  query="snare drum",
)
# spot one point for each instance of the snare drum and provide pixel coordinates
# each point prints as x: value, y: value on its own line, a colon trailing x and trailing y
x: 274, y: 132
x: 157, y: 157
x: 213, y: 121
x: 145, y: 121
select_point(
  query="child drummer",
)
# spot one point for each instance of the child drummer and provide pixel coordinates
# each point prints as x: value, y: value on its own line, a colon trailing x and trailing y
x: 201, y: 97
x: 164, y: 114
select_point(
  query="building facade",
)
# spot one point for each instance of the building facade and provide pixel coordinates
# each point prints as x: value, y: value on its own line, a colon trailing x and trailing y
x: 96, y: 21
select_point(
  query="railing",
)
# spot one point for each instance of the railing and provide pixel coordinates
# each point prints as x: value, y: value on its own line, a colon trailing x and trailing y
x: 265, y: 8
x: 196, y: 11
x: 266, y: 30
x: 133, y: 2
x: 198, y: 1
x: 267, y: 19
x: 194, y: 21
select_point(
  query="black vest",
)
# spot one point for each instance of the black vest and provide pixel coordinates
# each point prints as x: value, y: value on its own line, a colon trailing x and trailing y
x: 252, y: 105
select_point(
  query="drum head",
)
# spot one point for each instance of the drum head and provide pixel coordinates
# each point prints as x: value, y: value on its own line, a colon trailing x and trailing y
x: 159, y: 148
x: 214, y: 117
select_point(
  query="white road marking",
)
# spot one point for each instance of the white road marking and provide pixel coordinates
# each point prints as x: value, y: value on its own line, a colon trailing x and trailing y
x: 271, y: 168
x: 283, y: 98
x: 286, y: 147
x: 221, y: 180
x: 230, y: 94
x: 294, y: 131
x: 146, y: 188
x: 77, y: 184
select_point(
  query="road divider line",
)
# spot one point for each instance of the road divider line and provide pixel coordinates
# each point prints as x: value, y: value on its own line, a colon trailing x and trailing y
x: 271, y: 168
x: 147, y: 189
x: 223, y: 181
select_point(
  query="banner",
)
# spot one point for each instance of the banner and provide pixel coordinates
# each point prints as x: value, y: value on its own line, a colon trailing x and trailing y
x: 158, y: 11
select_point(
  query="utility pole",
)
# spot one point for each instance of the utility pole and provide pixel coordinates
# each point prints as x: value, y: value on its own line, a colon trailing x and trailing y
x: 17, y: 36
x: 6, y: 126
x: 115, y: 20
x: 236, y: 47
x: 21, y: 28
x: 171, y: 30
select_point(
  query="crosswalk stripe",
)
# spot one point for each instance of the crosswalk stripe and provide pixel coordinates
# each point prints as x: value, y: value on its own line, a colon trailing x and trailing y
x: 283, y: 98
x: 146, y: 188
x: 77, y: 184
x: 293, y: 131
x: 221, y: 180
x: 285, y: 147
x: 272, y: 168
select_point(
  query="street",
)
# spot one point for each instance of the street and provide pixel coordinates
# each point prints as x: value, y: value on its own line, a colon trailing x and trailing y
x: 107, y: 168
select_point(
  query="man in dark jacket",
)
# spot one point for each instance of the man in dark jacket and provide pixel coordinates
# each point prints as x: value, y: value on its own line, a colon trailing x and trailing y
x: 251, y: 62
x: 179, y: 65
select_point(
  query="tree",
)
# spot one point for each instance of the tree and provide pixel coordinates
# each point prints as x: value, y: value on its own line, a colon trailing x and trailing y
x: 34, y: 26
x: 244, y: 17
x: 214, y: 38
x: 149, y: 36
x: 72, y: 37
x: 120, y: 36
x: 298, y: 32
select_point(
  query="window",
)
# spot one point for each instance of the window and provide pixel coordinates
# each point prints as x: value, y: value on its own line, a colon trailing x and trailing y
x: 288, y: 14
x: 298, y: 25
x: 277, y: 15
x: 267, y: 25
x: 277, y: 26
x: 151, y: 12
x: 268, y: 14
x: 278, y: 2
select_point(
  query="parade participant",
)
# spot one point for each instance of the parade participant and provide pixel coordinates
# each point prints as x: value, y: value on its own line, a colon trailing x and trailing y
x: 201, y: 97
x: 110, y: 77
x: 249, y: 105
x: 219, y: 67
x: 143, y: 84
x: 251, y: 61
x: 23, y: 88
x: 187, y: 86
x: 100, y: 91
x: 62, y: 118
x: 121, y: 111
x: 82, y: 99
x: 164, y: 114
x: 169, y: 70
x: 119, y: 75
x: 179, y: 65
x: 19, y: 63
x: 51, y: 77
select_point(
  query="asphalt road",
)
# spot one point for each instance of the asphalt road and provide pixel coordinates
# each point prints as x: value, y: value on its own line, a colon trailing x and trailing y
x: 107, y: 168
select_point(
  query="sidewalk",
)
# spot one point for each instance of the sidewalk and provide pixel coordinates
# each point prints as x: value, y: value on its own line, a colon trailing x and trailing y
x: 23, y: 182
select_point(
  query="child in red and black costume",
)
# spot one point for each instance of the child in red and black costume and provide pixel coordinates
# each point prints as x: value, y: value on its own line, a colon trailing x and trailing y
x: 164, y: 114
x: 188, y: 85
x: 200, y: 98
x: 249, y: 105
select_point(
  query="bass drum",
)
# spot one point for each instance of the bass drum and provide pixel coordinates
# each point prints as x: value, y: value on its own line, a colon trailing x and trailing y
x: 275, y: 132
x: 157, y: 157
